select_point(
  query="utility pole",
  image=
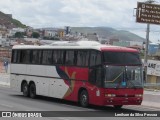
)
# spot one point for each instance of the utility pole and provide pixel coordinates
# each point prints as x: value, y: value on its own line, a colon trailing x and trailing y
x: 146, y: 50
x: 146, y: 44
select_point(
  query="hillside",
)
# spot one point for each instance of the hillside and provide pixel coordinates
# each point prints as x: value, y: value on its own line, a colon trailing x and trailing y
x: 109, y: 33
x: 9, y: 22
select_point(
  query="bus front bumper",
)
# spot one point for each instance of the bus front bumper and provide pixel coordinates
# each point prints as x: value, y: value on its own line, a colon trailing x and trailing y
x: 123, y: 101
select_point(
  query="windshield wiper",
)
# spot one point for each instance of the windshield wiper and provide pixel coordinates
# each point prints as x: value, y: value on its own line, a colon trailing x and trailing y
x: 125, y: 80
x: 120, y: 82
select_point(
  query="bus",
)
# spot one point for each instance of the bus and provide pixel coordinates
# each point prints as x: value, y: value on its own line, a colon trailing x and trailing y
x: 86, y: 72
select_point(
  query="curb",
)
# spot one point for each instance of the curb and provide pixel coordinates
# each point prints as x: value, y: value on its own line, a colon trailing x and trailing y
x: 154, y: 90
x: 150, y: 104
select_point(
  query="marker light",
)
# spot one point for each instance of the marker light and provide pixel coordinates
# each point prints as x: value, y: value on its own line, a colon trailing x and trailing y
x: 110, y: 95
x: 138, y: 95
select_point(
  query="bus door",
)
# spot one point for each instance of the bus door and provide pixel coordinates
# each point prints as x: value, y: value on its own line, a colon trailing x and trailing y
x: 95, y: 73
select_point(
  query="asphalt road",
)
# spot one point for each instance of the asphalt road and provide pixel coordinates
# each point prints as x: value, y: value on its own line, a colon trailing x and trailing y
x: 13, y: 101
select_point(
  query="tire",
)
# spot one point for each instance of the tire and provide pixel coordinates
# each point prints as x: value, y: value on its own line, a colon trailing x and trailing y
x: 118, y: 106
x: 32, y: 91
x: 25, y: 89
x: 84, y: 99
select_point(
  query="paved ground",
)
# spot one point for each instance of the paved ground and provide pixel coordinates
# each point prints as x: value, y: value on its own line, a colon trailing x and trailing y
x: 13, y: 101
x: 4, y: 79
x: 4, y: 76
x: 151, y: 99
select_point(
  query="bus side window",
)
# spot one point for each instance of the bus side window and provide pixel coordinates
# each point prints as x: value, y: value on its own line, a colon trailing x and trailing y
x: 82, y: 58
x: 54, y: 57
x: 79, y: 58
x: 58, y: 56
x: 22, y: 56
x: 35, y: 56
x: 98, y: 58
x: 14, y: 56
x: 47, y: 57
x: 70, y: 57
x: 18, y: 56
x: 95, y: 58
x: 86, y: 58
x: 25, y: 56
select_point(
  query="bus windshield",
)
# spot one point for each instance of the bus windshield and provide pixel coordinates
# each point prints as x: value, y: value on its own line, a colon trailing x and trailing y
x: 123, y: 77
x: 120, y: 58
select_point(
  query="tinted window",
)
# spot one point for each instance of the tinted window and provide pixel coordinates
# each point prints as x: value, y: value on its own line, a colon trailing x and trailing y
x: 58, y: 56
x: 121, y: 58
x: 18, y: 56
x: 36, y: 56
x: 70, y: 57
x: 95, y: 58
x: 14, y: 56
x: 25, y: 56
x: 47, y: 57
x: 82, y: 58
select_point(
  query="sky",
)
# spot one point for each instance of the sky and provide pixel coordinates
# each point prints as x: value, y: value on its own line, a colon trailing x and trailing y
x: 118, y: 14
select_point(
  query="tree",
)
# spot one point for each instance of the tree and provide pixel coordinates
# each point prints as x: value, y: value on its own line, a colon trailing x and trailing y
x: 19, y: 35
x: 35, y: 35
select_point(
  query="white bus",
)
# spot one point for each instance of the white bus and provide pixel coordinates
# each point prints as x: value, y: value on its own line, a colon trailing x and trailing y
x: 86, y: 72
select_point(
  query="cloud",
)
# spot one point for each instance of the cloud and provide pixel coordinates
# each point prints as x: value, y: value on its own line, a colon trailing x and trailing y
x: 71, y: 12
x: 58, y: 13
x: 83, y: 12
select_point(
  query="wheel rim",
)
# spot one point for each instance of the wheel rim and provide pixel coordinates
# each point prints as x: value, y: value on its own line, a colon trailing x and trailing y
x: 32, y: 90
x: 25, y: 89
x: 84, y: 99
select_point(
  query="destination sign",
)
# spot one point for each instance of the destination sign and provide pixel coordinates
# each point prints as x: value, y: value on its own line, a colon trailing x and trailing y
x: 148, y: 13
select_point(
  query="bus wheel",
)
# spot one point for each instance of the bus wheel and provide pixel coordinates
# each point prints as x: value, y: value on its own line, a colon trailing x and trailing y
x: 83, y: 99
x: 118, y: 106
x: 32, y: 90
x: 25, y: 89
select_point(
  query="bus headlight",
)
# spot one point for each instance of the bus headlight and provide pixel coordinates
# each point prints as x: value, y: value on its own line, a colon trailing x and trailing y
x: 138, y: 95
x: 110, y: 95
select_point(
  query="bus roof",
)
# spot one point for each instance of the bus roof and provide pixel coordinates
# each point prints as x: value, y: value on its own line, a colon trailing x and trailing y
x: 82, y: 45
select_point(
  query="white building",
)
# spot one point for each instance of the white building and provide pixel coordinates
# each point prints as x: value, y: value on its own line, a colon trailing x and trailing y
x: 3, y: 42
x: 14, y: 30
x: 132, y: 43
x: 50, y: 33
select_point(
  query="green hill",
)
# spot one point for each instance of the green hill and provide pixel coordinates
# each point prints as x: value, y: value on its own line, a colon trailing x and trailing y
x: 109, y: 33
x: 9, y: 22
